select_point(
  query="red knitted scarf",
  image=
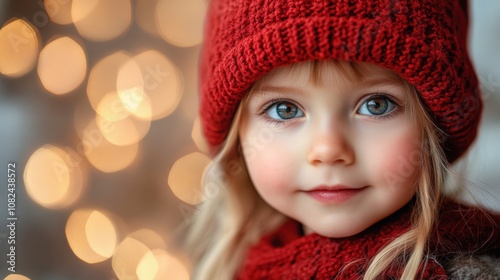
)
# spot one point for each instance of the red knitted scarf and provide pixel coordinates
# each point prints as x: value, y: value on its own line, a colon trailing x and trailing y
x: 288, y: 254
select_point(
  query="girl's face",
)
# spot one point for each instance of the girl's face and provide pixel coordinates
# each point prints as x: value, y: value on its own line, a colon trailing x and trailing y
x: 336, y: 151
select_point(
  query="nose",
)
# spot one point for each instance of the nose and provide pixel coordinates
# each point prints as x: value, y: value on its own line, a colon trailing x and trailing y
x: 330, y: 145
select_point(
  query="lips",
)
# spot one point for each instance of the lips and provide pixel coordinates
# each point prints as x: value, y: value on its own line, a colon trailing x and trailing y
x: 333, y: 194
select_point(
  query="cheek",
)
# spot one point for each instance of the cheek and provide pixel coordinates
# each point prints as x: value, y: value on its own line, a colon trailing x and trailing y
x: 268, y: 167
x: 397, y: 161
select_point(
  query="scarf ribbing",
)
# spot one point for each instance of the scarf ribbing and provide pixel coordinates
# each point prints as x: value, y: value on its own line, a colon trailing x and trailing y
x: 287, y: 254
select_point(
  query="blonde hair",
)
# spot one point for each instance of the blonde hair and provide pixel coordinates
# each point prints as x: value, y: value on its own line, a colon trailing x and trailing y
x: 411, y: 246
x: 230, y: 222
x: 237, y: 217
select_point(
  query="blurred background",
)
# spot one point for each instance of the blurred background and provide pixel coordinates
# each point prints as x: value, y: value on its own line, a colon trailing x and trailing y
x: 98, y: 113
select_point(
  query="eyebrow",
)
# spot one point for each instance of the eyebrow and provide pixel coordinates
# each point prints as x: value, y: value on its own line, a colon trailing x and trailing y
x: 381, y: 81
x: 368, y: 82
x: 277, y: 89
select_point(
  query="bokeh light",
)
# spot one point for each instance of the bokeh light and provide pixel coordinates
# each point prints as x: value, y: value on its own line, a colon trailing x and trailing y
x: 104, y: 155
x: 59, y: 11
x: 62, y: 65
x: 19, y: 47
x: 101, y: 234
x: 91, y: 235
x: 170, y: 266
x: 197, y: 136
x: 103, y: 75
x: 111, y: 86
x: 147, y: 267
x: 137, y: 102
x: 111, y: 108
x: 149, y: 238
x: 127, y: 257
x: 120, y: 167
x: 180, y: 22
x: 16, y: 277
x: 142, y: 255
x: 117, y: 125
x: 185, y: 176
x: 130, y: 87
x: 157, y: 92
x: 53, y: 177
x: 101, y: 20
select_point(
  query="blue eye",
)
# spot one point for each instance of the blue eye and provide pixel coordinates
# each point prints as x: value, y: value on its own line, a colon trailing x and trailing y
x: 377, y: 106
x: 284, y: 111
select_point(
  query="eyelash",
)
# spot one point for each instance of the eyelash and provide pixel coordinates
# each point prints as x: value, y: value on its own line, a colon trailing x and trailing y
x: 391, y: 99
x: 275, y: 101
x: 270, y: 104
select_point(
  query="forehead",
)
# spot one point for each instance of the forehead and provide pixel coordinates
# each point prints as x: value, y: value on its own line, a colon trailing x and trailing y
x: 339, y: 72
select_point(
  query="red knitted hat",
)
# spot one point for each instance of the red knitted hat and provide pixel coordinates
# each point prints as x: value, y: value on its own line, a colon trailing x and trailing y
x: 423, y: 41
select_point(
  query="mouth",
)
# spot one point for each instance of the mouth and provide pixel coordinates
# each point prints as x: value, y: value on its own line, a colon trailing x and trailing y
x: 333, y: 194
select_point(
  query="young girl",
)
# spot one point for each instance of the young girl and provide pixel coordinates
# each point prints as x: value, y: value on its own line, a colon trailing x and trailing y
x: 333, y: 125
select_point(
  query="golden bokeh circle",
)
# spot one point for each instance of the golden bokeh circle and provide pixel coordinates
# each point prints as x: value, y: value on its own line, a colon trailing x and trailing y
x: 101, y: 20
x: 153, y: 82
x: 127, y: 257
x: 185, y: 177
x: 62, y: 65
x: 15, y: 276
x: 180, y: 22
x: 198, y: 138
x: 59, y: 11
x: 148, y: 237
x: 91, y: 235
x: 104, y: 155
x: 116, y: 123
x: 53, y: 177
x: 103, y: 75
x: 170, y: 266
x: 19, y: 48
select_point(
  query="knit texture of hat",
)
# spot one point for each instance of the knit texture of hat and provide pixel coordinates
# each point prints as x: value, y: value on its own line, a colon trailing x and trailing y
x: 423, y: 41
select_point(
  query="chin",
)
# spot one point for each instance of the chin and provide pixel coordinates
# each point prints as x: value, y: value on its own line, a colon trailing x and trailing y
x: 339, y: 233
